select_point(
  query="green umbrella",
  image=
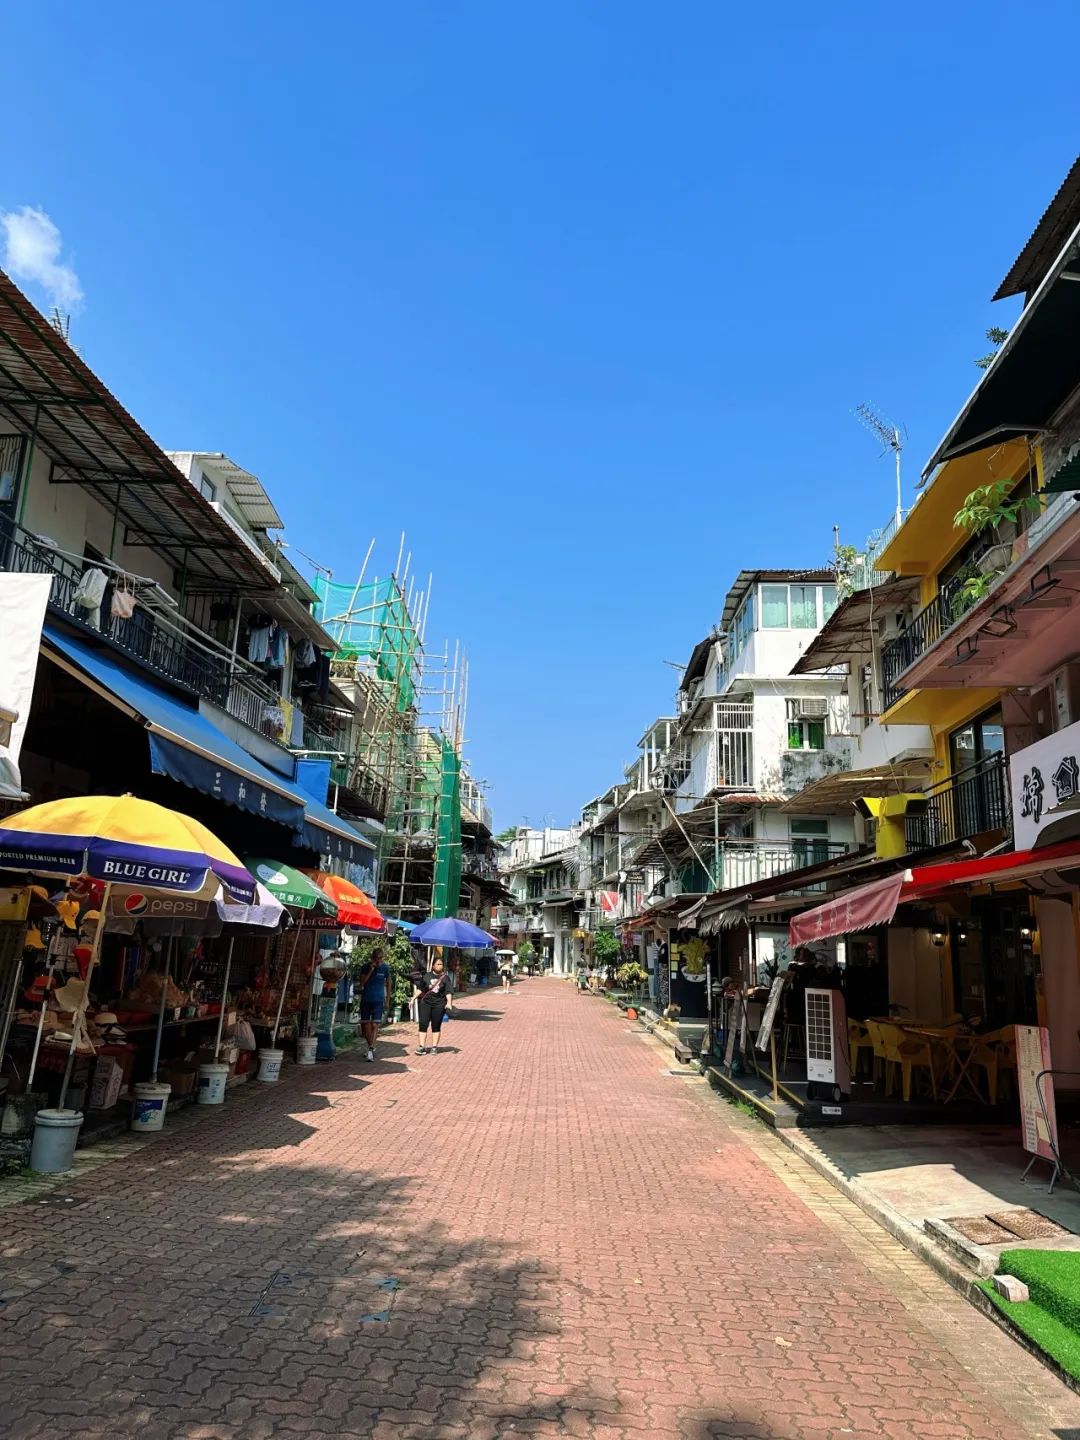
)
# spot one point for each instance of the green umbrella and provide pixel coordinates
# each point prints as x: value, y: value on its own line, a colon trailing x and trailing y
x: 290, y: 887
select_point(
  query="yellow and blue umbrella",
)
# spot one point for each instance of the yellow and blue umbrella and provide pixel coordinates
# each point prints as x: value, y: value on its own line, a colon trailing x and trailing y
x: 122, y: 840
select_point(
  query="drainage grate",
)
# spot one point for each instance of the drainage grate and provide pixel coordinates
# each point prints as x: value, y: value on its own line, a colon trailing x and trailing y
x: 1005, y: 1226
x: 979, y: 1230
x: 1027, y: 1224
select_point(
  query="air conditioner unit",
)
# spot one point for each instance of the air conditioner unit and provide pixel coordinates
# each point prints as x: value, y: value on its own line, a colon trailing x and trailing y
x: 828, y: 1067
x: 812, y: 707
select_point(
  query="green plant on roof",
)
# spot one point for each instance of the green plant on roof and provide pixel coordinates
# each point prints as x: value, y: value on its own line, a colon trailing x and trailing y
x: 989, y: 505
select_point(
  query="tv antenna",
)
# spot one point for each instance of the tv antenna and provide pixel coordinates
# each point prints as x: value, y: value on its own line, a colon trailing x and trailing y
x: 889, y: 435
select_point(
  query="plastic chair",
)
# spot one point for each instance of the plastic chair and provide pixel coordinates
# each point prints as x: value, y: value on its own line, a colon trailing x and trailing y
x: 910, y: 1053
x: 993, y: 1053
x: 859, y: 1039
x: 877, y: 1042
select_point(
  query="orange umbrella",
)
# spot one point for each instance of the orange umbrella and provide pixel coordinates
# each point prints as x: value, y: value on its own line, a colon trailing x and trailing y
x: 354, y: 907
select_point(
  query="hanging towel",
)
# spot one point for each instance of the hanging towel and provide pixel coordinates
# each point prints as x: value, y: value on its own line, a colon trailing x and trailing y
x: 259, y: 644
x: 277, y: 647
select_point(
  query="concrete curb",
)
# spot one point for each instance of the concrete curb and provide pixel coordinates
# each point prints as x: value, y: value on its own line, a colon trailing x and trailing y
x: 913, y: 1239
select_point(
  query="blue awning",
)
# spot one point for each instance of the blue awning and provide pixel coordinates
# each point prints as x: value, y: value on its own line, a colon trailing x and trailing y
x: 189, y: 748
x: 184, y: 744
x: 332, y: 836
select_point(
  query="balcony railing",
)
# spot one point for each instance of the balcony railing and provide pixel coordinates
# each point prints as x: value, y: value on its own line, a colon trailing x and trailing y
x: 925, y: 630
x: 732, y: 760
x: 742, y: 862
x: 165, y: 643
x: 972, y: 802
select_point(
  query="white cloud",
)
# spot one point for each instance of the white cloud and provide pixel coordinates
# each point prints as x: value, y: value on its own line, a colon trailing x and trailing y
x: 32, y: 246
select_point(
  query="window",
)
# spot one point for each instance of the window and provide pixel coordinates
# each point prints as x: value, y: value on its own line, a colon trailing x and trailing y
x: 806, y: 735
x: 806, y: 722
x: 796, y: 607
x: 774, y: 607
x: 205, y: 487
x: 809, y: 840
x: 804, y: 607
x: 743, y: 625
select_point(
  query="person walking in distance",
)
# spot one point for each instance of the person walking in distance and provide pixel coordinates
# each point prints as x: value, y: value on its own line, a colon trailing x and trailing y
x: 506, y: 971
x: 375, y: 982
x: 433, y: 1001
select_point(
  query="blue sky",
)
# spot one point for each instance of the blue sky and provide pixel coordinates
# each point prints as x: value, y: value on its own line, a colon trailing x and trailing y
x: 580, y: 295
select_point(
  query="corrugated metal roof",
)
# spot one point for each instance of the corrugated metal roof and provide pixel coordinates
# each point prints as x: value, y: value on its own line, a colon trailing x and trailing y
x: 1059, y: 220
x: 848, y: 629
x: 746, y: 578
x: 92, y: 441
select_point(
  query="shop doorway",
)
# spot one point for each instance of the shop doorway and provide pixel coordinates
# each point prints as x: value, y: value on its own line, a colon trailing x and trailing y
x: 995, y: 967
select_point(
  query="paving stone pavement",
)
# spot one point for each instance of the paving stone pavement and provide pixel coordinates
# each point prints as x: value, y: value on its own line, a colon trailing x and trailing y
x: 536, y: 1233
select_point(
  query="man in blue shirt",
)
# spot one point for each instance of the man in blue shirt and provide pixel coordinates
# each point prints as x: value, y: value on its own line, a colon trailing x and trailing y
x: 375, y: 989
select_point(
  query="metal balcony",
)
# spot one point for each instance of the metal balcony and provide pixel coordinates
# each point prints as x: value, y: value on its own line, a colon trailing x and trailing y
x: 163, y: 642
x: 925, y: 630
x: 975, y: 801
x: 742, y: 862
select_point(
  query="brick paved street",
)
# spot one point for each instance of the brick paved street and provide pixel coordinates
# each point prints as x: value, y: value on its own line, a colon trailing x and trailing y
x: 581, y: 1245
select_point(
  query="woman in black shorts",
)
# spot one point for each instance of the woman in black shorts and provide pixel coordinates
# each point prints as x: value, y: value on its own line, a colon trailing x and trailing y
x: 434, y: 999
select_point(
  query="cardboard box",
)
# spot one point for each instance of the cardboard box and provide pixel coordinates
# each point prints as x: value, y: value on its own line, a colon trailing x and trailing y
x: 105, y: 1088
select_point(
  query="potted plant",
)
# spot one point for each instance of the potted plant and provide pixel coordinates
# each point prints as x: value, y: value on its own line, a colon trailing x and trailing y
x: 526, y: 956
x: 633, y: 977
x: 605, y: 949
x: 992, y: 508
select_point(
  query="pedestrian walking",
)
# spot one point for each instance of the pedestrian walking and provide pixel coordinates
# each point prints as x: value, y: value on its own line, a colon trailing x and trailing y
x: 506, y: 971
x: 375, y: 982
x: 434, y: 998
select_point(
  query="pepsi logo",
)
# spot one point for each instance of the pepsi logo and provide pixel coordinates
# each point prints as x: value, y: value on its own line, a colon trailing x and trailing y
x: 136, y: 904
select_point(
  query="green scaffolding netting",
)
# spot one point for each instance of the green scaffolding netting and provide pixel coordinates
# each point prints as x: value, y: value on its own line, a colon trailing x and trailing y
x: 372, y: 622
x: 446, y: 890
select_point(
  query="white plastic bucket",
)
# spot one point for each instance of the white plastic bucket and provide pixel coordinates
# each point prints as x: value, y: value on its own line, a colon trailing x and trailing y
x: 56, y: 1133
x: 212, y: 1078
x: 148, y: 1110
x: 305, y: 1049
x: 270, y: 1066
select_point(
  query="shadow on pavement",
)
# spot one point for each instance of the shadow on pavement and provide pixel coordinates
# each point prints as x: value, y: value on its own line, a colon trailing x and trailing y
x: 214, y: 1286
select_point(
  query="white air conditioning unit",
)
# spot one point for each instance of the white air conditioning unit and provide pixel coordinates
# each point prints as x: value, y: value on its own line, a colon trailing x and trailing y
x: 828, y: 1067
x: 812, y: 707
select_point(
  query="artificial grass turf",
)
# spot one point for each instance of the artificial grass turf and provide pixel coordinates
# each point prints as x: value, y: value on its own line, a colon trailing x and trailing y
x: 1051, y: 1318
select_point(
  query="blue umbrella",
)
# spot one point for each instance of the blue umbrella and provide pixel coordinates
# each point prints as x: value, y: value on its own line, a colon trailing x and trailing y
x: 458, y: 934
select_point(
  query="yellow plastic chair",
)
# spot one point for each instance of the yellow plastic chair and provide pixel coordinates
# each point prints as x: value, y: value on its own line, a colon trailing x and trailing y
x: 993, y: 1053
x: 859, y: 1039
x: 877, y: 1043
x: 909, y: 1053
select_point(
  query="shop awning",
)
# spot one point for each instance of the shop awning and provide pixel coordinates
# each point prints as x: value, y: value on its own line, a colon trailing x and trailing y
x: 189, y: 748
x: 859, y: 909
x: 290, y: 887
x: 876, y: 903
x: 334, y: 837
x: 1013, y: 865
x: 184, y: 744
x: 726, y: 917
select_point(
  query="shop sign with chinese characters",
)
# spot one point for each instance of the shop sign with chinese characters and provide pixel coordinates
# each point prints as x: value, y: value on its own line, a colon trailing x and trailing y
x: 1045, y: 783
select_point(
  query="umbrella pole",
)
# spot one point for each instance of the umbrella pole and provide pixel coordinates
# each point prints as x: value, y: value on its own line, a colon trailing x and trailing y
x: 79, y: 1020
x: 285, y: 986
x: 224, y: 996
x: 161, y: 1007
x: 41, y: 1017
